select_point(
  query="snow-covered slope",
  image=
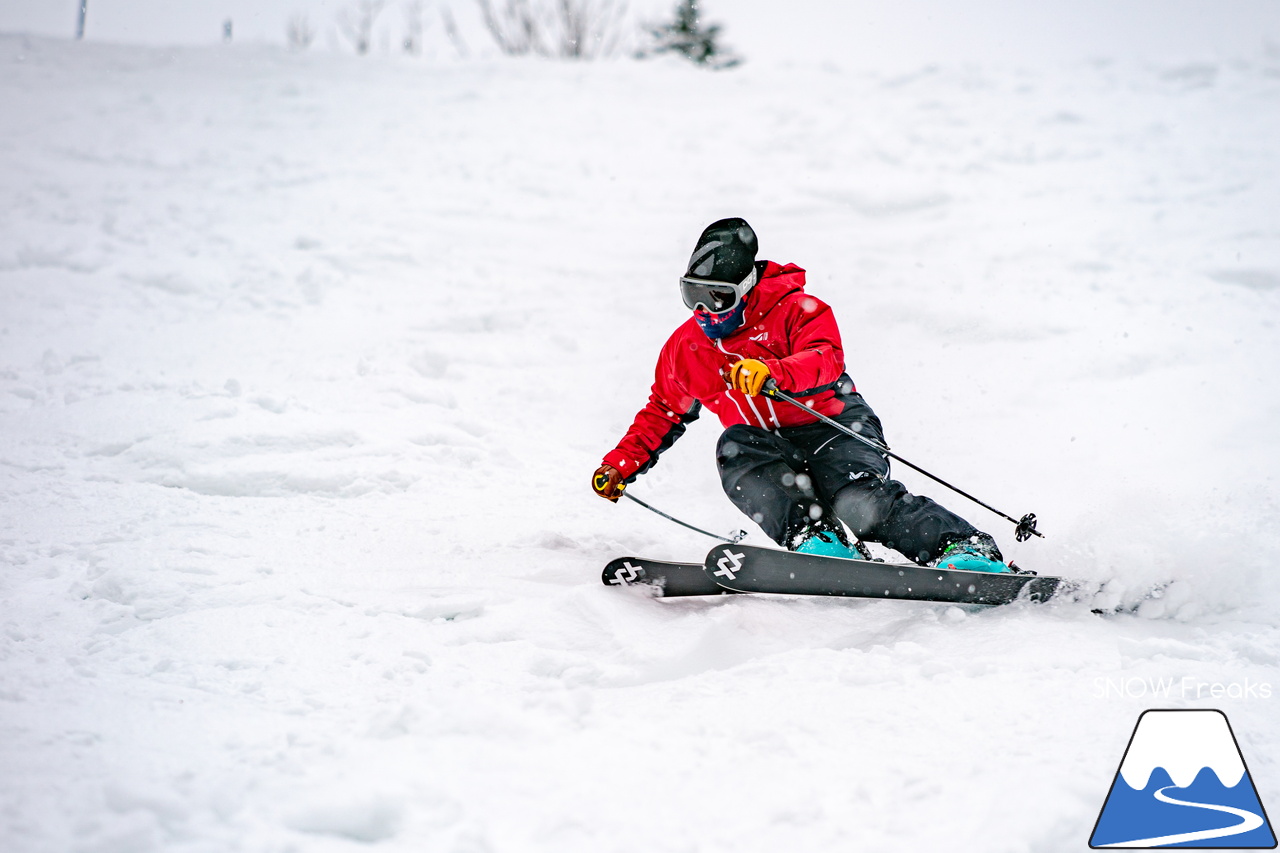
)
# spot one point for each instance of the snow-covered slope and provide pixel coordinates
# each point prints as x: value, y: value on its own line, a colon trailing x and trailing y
x: 305, y: 363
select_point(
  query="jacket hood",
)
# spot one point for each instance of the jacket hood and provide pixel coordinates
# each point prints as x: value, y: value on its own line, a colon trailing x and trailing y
x: 776, y: 282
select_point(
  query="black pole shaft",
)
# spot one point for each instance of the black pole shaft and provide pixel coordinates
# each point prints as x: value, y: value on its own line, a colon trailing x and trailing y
x: 678, y: 521
x: 84, y: 10
x: 783, y: 395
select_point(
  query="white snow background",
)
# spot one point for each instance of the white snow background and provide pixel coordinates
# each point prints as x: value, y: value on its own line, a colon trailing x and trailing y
x: 306, y: 360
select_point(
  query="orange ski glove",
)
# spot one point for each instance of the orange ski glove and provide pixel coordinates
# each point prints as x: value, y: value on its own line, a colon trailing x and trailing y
x: 747, y: 376
x: 607, y: 481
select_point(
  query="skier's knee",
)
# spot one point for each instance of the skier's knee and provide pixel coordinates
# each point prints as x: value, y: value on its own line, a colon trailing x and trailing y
x: 734, y: 446
x: 861, y: 505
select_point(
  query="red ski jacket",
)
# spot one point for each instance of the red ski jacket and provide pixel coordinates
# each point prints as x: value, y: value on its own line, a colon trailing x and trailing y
x: 794, y: 334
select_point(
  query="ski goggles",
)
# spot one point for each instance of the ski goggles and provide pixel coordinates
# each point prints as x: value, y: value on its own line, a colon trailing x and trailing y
x: 715, y: 297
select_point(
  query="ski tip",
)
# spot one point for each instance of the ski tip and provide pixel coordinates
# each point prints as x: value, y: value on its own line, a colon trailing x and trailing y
x: 624, y: 571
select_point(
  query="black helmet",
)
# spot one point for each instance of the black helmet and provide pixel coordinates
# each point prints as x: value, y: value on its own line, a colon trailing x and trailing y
x: 726, y: 251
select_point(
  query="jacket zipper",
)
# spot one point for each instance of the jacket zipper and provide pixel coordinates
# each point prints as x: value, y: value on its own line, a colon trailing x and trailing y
x: 750, y: 402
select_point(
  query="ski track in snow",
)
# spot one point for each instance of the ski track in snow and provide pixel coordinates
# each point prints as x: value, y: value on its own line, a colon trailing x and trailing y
x: 305, y: 363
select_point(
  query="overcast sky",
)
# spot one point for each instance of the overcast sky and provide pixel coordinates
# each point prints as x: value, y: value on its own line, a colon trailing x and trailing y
x: 851, y: 32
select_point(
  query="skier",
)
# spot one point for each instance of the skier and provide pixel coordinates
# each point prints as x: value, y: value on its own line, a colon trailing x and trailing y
x: 795, y: 476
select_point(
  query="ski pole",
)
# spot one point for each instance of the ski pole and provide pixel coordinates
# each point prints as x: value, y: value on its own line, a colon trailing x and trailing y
x: 734, y: 541
x: 1025, y: 527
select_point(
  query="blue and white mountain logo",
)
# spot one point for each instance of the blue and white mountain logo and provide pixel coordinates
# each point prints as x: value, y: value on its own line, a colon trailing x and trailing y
x: 1183, y: 783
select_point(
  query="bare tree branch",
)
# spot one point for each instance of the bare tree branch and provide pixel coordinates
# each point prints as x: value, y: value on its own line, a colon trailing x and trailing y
x: 451, y: 30
x: 356, y: 23
x: 570, y: 29
x: 413, y: 26
x: 300, y: 32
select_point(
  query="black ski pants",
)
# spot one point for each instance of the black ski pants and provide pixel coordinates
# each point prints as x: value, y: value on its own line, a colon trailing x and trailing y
x: 787, y: 478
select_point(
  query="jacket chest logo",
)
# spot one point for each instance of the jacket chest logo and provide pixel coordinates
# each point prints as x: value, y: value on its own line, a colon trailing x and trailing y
x: 760, y: 338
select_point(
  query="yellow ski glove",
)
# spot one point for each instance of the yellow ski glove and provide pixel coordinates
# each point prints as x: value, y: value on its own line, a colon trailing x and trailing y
x: 748, y: 376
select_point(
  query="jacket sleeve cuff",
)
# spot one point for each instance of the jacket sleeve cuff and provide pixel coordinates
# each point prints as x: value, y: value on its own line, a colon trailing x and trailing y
x: 777, y: 372
x: 625, y: 464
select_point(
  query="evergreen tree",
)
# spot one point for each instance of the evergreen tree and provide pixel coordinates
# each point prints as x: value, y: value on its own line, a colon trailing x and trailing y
x: 687, y: 36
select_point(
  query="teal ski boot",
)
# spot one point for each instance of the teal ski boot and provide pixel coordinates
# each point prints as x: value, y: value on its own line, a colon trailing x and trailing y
x: 822, y: 541
x: 978, y: 553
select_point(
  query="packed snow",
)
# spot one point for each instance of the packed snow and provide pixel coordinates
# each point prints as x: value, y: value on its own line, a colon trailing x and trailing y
x: 306, y: 361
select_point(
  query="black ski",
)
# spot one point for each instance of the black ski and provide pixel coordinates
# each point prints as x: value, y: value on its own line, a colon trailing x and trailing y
x: 742, y: 568
x: 659, y: 579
